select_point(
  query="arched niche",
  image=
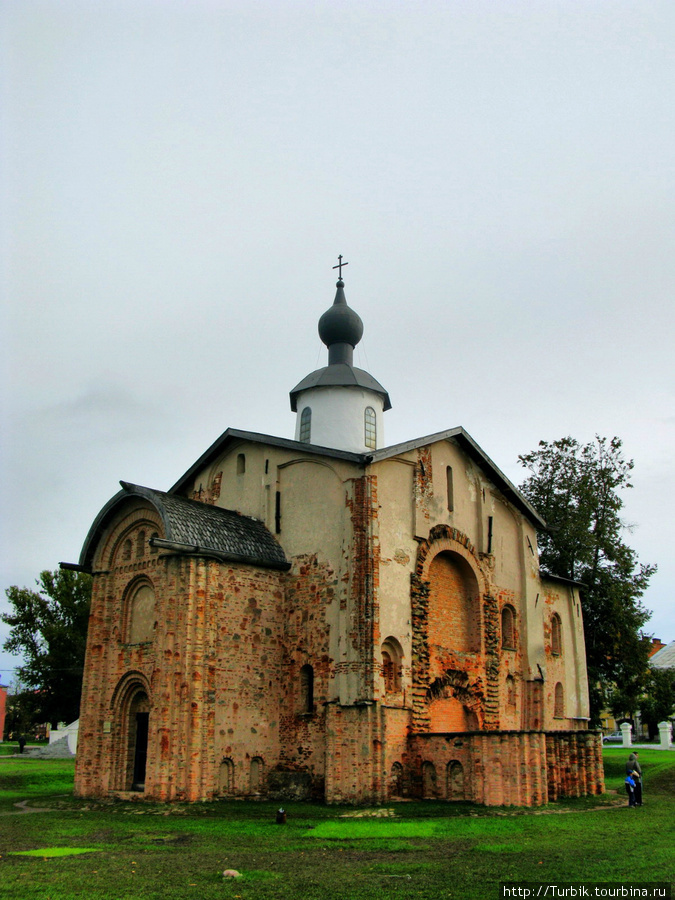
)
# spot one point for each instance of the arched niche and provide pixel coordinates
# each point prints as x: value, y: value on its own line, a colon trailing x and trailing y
x: 226, y: 777
x: 455, y: 780
x: 454, y: 618
x: 391, y: 654
x: 140, y: 612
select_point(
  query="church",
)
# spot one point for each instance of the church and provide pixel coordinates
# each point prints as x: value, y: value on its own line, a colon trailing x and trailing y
x: 331, y: 618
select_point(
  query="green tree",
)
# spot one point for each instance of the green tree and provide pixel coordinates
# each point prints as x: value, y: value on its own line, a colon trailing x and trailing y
x: 48, y: 627
x: 575, y: 487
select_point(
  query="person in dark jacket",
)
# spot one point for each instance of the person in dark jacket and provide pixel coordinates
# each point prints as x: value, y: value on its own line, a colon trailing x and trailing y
x: 633, y: 769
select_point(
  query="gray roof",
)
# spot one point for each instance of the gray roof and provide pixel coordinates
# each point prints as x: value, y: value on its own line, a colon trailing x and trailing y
x: 198, y: 528
x: 664, y: 658
x: 339, y: 375
x: 234, y: 436
x: 363, y: 460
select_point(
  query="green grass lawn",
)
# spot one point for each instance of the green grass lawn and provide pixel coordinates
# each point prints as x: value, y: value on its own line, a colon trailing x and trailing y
x: 424, y: 850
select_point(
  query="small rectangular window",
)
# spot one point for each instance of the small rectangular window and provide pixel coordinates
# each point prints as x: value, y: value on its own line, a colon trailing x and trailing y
x: 451, y: 496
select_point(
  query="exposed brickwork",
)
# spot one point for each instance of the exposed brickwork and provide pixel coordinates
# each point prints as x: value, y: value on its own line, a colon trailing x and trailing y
x: 423, y: 485
x: 364, y: 583
x: 211, y: 493
x: 449, y: 670
x: 508, y: 768
x: 256, y: 682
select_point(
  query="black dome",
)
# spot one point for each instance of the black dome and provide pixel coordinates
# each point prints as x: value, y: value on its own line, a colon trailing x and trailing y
x: 340, y: 324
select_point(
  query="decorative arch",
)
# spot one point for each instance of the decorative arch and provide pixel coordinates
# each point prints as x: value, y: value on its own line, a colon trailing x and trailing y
x: 445, y: 538
x: 556, y: 635
x: 454, y: 774
x: 454, y: 605
x: 558, y: 701
x: 226, y: 777
x: 454, y: 618
x: 124, y: 542
x: 130, y: 712
x: 508, y: 627
x: 392, y: 665
x: 456, y: 703
x: 139, y: 613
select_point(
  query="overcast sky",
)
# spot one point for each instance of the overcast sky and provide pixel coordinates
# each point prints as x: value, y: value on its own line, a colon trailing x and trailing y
x: 178, y: 179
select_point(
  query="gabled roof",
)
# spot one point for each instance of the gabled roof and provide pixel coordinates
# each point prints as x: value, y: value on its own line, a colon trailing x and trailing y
x: 233, y: 436
x: 482, y: 460
x: 665, y: 657
x: 194, y: 527
x: 458, y: 435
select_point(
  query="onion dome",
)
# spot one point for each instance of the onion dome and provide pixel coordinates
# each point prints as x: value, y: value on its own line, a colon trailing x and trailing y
x: 340, y: 324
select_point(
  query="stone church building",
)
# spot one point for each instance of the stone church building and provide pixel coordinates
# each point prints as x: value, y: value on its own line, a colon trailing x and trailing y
x: 329, y: 617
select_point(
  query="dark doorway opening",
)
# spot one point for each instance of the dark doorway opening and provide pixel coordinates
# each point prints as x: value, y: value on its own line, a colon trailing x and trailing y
x: 140, y: 751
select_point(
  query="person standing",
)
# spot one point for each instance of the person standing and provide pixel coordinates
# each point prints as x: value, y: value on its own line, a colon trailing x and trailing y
x: 633, y: 769
x: 630, y: 789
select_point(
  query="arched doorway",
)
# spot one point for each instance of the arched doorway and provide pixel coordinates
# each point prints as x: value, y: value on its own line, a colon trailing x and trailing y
x: 132, y: 729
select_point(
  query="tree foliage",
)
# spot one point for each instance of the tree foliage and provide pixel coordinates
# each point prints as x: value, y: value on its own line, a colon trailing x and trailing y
x: 575, y: 487
x: 48, y: 627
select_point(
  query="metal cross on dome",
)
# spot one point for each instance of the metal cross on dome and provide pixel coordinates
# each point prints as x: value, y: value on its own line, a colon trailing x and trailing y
x: 340, y: 265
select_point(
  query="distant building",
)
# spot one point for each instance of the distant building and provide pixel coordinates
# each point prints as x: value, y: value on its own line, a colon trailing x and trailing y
x: 330, y: 617
x: 664, y: 658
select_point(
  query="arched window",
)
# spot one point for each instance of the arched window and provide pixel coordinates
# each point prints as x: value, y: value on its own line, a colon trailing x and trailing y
x: 126, y: 550
x: 510, y: 690
x: 370, y: 428
x: 140, y: 544
x: 450, y: 488
x: 508, y: 628
x: 392, y: 656
x: 556, y: 635
x: 141, y: 621
x: 153, y: 535
x: 307, y: 689
x: 226, y: 778
x: 428, y: 781
x: 241, y: 463
x: 454, y: 775
x: 256, y: 774
x: 559, y: 702
x: 306, y: 425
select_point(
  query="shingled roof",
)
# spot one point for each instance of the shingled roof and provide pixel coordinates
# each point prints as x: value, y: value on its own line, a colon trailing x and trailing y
x: 198, y: 528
